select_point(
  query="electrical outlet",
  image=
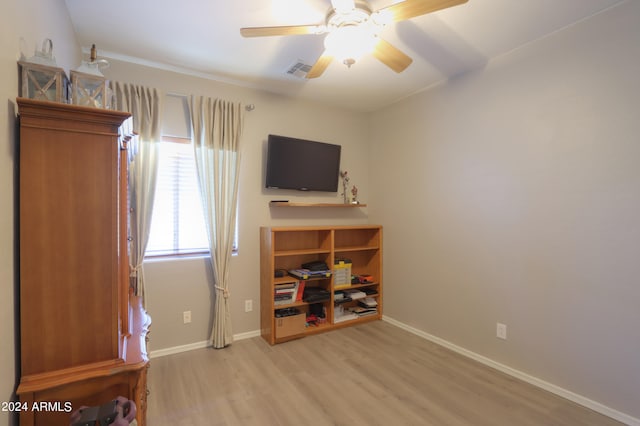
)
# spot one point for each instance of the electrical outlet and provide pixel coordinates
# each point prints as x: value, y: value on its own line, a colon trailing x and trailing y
x: 501, y: 331
x: 186, y: 317
x: 248, y: 305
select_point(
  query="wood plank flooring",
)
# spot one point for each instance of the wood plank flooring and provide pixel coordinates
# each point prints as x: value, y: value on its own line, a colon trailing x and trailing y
x: 372, y: 374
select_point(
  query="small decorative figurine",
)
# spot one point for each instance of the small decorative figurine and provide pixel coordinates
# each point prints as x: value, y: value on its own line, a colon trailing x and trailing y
x: 354, y: 193
x: 345, y: 184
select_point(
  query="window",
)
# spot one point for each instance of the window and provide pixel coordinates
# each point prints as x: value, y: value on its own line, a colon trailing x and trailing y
x: 177, y: 224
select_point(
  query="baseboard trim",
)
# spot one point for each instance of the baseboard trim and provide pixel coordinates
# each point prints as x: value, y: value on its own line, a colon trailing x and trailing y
x: 572, y: 396
x: 179, y: 349
x: 198, y: 345
x: 247, y: 335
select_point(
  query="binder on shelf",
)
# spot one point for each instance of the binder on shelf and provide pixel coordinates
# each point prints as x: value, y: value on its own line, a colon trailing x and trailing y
x: 299, y: 291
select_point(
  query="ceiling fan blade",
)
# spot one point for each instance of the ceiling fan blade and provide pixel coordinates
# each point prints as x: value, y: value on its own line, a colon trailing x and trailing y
x: 411, y: 8
x: 285, y: 30
x: 391, y: 56
x: 321, y: 64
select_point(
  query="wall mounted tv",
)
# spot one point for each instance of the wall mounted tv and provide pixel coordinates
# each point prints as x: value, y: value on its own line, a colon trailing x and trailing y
x: 302, y: 164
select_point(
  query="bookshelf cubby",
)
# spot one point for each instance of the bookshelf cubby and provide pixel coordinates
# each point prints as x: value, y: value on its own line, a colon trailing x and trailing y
x: 287, y: 248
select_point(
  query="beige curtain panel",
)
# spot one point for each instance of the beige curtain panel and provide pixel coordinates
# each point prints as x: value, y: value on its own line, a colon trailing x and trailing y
x: 145, y: 106
x: 216, y: 132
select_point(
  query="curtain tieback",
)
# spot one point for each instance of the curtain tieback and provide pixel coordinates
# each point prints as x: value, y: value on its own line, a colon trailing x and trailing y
x: 135, y: 270
x: 225, y: 291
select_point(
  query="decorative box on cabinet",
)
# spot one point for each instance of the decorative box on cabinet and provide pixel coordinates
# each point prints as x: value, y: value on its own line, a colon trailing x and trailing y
x: 82, y: 331
x: 286, y: 248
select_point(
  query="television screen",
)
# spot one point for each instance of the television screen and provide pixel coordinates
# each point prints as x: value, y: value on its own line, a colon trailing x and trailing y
x: 301, y: 164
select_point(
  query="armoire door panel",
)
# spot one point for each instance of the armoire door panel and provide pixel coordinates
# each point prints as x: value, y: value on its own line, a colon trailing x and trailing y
x: 82, y: 330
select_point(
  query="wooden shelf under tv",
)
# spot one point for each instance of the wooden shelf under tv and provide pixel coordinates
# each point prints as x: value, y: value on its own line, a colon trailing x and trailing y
x: 290, y: 204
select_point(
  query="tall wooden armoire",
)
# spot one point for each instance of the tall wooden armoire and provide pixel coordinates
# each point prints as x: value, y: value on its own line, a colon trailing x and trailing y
x: 82, y: 331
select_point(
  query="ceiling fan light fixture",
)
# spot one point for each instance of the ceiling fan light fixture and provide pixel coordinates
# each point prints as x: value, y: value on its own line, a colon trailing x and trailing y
x: 349, y: 43
x: 348, y: 62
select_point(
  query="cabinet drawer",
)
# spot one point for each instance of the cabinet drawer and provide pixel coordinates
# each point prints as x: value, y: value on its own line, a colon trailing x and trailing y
x: 290, y: 326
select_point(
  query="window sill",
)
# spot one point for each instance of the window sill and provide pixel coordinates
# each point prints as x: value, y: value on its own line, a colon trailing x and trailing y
x: 174, y: 257
x: 178, y: 257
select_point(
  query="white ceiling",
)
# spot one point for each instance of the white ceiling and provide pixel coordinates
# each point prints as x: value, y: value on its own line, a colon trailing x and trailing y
x: 202, y: 37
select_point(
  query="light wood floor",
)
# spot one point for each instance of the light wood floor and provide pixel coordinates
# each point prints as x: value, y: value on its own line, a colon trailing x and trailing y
x: 372, y: 374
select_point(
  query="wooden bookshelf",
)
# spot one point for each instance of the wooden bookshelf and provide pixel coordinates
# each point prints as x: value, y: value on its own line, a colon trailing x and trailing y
x: 289, y: 247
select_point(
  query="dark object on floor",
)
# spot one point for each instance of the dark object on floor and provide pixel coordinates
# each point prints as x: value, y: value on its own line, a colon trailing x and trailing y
x: 118, y: 412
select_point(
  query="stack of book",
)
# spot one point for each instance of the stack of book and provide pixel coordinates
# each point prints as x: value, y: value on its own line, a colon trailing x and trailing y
x: 366, y: 306
x: 361, y: 311
x: 368, y: 302
x: 288, y: 293
x: 354, y: 294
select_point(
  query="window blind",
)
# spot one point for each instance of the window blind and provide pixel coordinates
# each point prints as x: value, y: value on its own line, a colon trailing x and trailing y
x: 177, y: 225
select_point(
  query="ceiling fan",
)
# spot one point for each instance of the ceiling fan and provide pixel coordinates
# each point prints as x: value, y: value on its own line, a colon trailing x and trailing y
x: 353, y: 29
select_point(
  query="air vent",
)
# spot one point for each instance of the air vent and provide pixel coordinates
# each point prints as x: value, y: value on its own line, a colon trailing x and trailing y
x: 299, y: 69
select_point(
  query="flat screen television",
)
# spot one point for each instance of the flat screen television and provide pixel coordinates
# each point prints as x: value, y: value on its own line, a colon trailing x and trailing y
x: 302, y: 164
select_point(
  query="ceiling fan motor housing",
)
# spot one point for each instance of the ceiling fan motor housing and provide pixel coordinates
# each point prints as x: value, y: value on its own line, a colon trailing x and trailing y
x: 358, y: 15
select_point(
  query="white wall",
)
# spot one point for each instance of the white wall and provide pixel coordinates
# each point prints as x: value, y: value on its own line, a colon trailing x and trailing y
x: 512, y: 195
x: 23, y: 26
x: 175, y: 286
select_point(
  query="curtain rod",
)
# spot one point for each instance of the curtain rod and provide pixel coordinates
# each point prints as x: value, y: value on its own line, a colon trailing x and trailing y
x: 248, y: 107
